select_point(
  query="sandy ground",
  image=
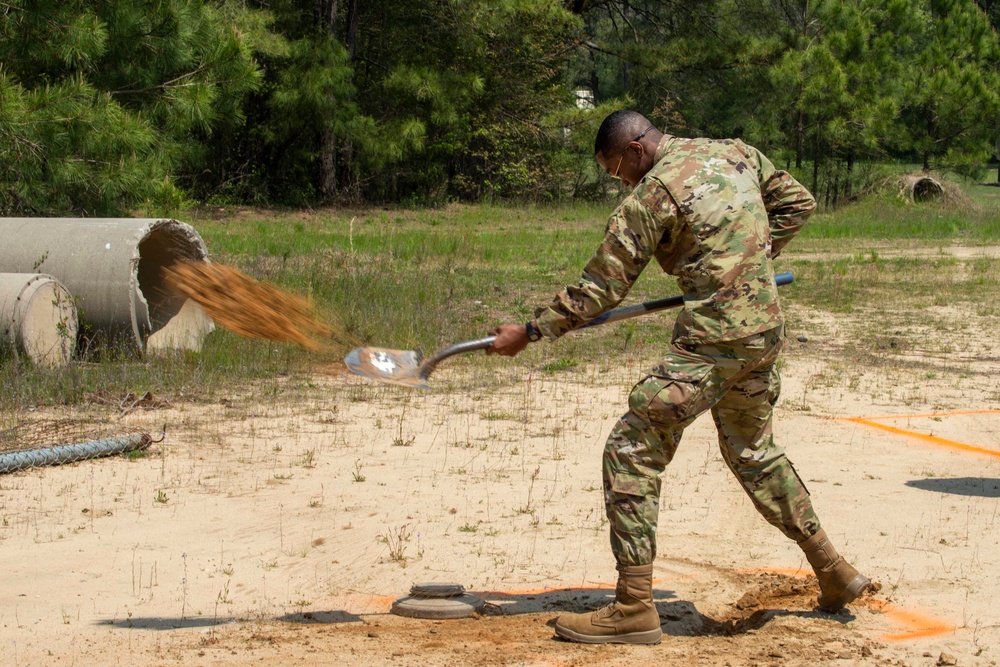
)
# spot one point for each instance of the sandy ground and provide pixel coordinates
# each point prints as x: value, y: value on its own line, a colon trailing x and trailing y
x: 277, y: 528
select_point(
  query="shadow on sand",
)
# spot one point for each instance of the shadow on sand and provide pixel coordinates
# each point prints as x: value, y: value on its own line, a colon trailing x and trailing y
x: 163, y: 623
x: 984, y: 487
x: 678, y: 618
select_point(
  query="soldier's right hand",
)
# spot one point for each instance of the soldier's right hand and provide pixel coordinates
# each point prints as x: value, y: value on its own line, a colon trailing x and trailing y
x: 510, y: 340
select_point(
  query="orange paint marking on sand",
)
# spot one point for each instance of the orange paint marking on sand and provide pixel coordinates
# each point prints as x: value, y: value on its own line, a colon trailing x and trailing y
x: 373, y: 603
x: 915, y: 624
x: 934, y: 414
x: 541, y: 591
x: 927, y: 438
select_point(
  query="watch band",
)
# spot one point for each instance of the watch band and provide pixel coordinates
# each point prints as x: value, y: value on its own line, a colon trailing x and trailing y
x: 534, y: 335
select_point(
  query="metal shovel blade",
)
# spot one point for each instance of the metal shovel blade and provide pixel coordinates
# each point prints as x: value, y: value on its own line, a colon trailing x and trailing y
x: 400, y: 367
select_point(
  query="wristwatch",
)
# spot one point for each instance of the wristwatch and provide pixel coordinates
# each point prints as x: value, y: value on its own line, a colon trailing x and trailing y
x: 534, y: 335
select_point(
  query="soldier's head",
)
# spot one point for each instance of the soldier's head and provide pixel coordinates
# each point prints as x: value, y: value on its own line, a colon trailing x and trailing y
x: 625, y: 146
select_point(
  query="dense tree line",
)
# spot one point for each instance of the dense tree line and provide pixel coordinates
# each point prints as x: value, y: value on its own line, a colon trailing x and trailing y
x: 115, y: 106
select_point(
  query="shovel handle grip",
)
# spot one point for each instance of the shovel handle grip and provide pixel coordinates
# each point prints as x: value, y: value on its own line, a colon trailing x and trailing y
x: 458, y: 348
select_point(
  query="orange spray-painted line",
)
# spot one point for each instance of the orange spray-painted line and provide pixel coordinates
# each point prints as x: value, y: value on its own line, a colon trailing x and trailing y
x: 935, y: 414
x: 927, y: 438
x: 916, y: 625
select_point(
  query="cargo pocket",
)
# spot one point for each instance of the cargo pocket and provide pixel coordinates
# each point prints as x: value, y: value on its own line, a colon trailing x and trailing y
x: 628, y: 498
x: 669, y: 398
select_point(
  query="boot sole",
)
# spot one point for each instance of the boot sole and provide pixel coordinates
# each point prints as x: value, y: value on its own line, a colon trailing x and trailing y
x: 645, y: 637
x: 850, y: 593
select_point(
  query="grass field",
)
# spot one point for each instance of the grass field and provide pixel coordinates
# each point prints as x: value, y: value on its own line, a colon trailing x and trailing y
x: 428, y: 278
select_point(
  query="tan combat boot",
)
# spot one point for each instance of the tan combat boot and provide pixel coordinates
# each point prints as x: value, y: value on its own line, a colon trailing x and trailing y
x: 839, y: 582
x: 631, y: 619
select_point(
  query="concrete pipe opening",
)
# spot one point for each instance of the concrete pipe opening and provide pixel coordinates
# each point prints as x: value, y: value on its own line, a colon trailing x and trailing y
x: 922, y: 188
x: 37, y: 318
x: 113, y: 266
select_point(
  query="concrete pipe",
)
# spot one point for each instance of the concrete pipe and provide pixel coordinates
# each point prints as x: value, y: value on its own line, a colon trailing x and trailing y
x: 113, y: 268
x: 37, y: 317
x: 920, y: 188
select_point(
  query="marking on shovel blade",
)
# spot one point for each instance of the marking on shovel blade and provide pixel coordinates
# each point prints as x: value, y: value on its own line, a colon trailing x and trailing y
x: 383, y: 362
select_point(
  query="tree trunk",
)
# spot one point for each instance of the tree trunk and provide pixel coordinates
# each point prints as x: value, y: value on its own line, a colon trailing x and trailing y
x: 815, y: 183
x: 331, y: 16
x: 328, y: 167
x: 799, y: 140
x: 833, y: 192
x: 931, y: 125
x: 352, y: 27
x: 850, y: 174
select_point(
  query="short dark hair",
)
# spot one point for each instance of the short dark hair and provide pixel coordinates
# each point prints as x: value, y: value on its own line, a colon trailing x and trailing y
x: 618, y: 129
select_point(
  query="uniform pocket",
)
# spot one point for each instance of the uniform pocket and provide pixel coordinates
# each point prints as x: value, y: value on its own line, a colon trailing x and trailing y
x: 668, y: 400
x: 631, y: 499
x: 630, y: 484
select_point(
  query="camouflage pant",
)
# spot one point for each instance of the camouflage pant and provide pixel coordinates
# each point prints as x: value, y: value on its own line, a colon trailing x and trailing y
x: 739, y: 382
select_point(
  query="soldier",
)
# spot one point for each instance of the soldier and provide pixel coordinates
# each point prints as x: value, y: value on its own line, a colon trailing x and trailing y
x: 713, y: 214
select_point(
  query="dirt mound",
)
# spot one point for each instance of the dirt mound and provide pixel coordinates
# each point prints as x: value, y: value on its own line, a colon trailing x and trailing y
x: 920, y: 187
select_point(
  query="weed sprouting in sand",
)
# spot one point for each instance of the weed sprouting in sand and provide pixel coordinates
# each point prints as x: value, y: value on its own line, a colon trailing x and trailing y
x: 396, y: 539
x: 399, y: 440
x: 528, y: 508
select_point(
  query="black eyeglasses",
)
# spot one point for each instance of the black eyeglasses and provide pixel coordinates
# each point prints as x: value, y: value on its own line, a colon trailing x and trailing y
x: 638, y: 137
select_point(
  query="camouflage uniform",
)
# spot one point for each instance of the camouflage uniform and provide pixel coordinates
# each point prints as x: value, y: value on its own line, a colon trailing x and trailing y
x: 713, y: 214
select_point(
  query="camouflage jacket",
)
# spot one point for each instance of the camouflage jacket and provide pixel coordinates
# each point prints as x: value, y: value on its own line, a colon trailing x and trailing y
x: 713, y: 213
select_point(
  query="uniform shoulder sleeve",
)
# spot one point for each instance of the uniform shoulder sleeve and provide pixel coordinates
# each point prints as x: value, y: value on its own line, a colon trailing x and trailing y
x: 788, y: 203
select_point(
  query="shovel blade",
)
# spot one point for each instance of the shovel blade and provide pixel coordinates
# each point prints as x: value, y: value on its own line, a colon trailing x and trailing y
x: 400, y: 367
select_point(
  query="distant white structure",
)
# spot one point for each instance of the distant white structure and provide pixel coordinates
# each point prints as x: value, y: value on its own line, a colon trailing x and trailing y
x: 584, y: 98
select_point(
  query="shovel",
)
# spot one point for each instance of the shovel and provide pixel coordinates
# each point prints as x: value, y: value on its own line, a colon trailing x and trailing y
x: 408, y: 368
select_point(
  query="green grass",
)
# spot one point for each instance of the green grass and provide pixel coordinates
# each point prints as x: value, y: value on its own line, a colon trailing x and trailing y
x: 886, y: 218
x: 427, y: 278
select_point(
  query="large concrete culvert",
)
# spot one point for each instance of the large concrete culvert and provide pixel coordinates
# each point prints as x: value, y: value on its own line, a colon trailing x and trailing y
x: 113, y: 267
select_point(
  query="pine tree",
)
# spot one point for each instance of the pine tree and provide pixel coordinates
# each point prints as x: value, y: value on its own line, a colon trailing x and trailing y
x: 408, y: 100
x: 104, y: 103
x: 951, y: 97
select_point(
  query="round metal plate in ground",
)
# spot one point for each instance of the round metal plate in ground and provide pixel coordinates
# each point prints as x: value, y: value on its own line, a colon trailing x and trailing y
x: 438, y: 601
x: 437, y: 590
